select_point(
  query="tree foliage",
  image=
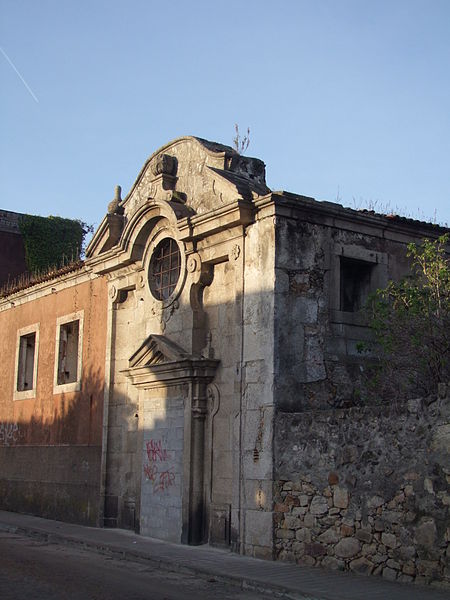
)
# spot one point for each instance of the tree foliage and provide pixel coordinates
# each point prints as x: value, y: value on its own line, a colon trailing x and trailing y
x: 411, y: 324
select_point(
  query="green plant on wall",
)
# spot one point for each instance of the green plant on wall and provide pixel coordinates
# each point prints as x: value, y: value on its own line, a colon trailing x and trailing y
x: 411, y: 324
x: 51, y: 242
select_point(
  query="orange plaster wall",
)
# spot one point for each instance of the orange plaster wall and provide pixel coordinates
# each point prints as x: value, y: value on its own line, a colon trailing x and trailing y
x: 48, y: 419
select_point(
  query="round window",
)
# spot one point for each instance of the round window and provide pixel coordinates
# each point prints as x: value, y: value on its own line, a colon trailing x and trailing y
x: 165, y: 267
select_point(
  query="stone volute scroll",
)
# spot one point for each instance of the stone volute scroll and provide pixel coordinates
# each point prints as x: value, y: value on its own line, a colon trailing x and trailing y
x: 201, y: 274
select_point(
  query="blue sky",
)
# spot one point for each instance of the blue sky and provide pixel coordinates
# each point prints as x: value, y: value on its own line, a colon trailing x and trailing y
x: 346, y: 100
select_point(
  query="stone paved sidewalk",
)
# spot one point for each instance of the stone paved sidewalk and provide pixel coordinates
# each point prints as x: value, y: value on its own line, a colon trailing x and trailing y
x: 279, y: 578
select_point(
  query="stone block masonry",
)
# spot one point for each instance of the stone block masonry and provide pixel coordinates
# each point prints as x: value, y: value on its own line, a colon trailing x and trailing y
x: 366, y: 490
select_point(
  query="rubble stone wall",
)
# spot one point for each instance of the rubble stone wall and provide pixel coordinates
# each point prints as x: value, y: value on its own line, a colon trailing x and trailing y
x: 366, y: 489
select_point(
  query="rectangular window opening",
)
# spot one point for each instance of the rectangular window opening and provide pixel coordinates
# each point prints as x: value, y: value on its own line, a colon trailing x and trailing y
x: 25, y: 371
x: 355, y: 278
x: 68, y: 352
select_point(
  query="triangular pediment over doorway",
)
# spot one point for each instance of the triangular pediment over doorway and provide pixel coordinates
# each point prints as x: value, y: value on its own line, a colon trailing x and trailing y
x: 157, y: 349
x: 159, y: 359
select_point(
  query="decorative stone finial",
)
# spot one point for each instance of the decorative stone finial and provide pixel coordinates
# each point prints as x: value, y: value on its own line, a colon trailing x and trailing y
x: 115, y: 207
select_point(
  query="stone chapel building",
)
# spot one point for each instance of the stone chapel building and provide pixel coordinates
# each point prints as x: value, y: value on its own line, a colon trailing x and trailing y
x: 195, y: 379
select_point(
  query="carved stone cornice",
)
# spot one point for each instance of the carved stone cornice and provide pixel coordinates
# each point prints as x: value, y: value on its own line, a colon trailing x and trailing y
x: 174, y: 372
x: 238, y: 212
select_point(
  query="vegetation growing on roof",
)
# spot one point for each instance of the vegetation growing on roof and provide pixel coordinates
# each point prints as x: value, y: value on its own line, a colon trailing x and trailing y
x: 240, y: 144
x: 51, y: 242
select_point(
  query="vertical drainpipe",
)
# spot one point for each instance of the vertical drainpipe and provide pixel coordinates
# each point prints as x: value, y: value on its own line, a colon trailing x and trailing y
x: 241, y: 406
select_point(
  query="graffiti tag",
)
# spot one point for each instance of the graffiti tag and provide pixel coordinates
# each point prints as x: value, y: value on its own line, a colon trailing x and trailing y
x: 155, y: 451
x: 156, y: 454
x: 9, y: 433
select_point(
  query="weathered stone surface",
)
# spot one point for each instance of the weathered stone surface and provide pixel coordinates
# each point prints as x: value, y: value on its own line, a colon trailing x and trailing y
x: 319, y: 505
x: 406, y: 553
x: 307, y: 561
x: 426, y: 533
x: 330, y: 562
x: 347, y: 530
x: 299, y: 511
x: 309, y: 520
x: 392, y: 516
x: 285, y: 534
x: 364, y: 535
x: 291, y: 522
x: 441, y: 439
x: 315, y: 549
x: 379, y: 558
x: 286, y: 555
x: 333, y: 478
x: 409, y: 569
x: 389, y: 574
x: 427, y: 568
x: 379, y: 525
x: 347, y: 548
x: 340, y: 497
x: 361, y: 565
x: 369, y: 549
x: 303, y: 534
x: 292, y: 500
x: 409, y: 490
x: 389, y: 540
x: 375, y: 502
x: 330, y: 536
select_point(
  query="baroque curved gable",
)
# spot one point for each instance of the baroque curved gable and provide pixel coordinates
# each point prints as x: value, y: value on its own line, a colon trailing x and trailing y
x: 190, y: 175
x: 203, y: 175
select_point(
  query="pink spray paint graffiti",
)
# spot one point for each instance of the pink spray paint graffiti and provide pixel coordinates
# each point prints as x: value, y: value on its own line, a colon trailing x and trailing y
x: 155, y: 451
x: 161, y: 479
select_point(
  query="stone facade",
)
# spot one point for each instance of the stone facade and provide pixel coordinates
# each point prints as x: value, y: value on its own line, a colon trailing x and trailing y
x: 228, y: 320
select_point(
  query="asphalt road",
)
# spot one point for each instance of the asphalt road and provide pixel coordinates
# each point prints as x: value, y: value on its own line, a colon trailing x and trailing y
x: 35, y: 570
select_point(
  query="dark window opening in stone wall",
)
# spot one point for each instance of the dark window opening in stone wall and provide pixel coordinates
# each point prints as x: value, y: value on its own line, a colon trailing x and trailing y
x: 165, y: 267
x: 25, y: 371
x: 355, y: 283
x: 68, y: 352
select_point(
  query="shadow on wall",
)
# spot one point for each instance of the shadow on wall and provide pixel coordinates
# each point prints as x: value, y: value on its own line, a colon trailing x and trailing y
x: 51, y: 461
